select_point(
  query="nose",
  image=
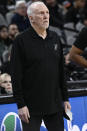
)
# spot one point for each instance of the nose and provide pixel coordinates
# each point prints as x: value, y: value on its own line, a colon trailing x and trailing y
x: 46, y: 15
x: 8, y: 83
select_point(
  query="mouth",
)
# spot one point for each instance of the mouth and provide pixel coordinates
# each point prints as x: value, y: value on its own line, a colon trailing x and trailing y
x: 9, y: 88
x: 45, y: 21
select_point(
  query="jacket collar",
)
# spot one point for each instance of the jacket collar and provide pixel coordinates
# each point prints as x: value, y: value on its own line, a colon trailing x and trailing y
x: 35, y: 35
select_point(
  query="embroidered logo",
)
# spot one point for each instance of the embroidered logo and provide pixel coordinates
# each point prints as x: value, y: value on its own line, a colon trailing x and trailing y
x: 55, y: 47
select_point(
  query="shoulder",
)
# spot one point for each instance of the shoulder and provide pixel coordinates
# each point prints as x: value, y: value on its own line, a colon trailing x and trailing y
x: 23, y: 34
x: 83, y: 33
x: 55, y: 35
x: 56, y: 40
x: 15, y: 15
x: 84, y: 30
x: 81, y: 41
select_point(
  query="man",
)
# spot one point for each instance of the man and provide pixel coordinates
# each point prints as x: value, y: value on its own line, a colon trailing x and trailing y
x: 37, y: 73
x: 78, y: 48
x: 3, y: 39
x: 13, y: 31
x: 56, y: 16
x: 20, y: 16
x: 76, y: 13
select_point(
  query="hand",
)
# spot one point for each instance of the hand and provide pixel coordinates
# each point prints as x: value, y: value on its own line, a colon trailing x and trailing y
x: 67, y: 106
x: 67, y: 59
x: 24, y: 114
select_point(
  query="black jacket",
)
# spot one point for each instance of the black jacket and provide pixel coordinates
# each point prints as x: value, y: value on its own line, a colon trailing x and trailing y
x: 21, y: 21
x: 37, y: 72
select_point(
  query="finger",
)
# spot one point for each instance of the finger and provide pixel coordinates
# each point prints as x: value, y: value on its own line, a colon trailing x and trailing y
x: 28, y: 113
x: 21, y: 117
x: 26, y: 118
x: 69, y: 106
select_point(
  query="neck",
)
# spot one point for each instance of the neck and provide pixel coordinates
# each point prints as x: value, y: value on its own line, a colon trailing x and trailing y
x: 41, y: 32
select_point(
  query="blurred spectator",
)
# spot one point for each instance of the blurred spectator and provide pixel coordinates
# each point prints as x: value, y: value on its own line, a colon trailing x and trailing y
x: 5, y: 41
x: 2, y: 20
x: 31, y: 1
x: 3, y: 37
x: 6, y: 2
x: 3, y: 7
x: 66, y: 3
x: 13, y: 31
x: 20, y: 17
x: 11, y: 2
x: 56, y: 17
x: 9, y: 16
x: 85, y: 21
x: 5, y: 67
x: 76, y: 13
x: 5, y: 83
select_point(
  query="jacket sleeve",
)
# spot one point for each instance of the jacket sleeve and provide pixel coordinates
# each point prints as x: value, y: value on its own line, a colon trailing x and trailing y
x: 63, y: 82
x: 17, y: 64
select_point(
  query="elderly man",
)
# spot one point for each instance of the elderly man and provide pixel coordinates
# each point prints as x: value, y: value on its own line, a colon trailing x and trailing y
x: 37, y: 73
x: 20, y: 16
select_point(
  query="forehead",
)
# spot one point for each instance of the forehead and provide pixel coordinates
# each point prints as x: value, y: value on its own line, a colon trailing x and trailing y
x: 4, y: 28
x: 12, y: 26
x: 7, y: 78
x: 41, y: 7
x: 22, y: 5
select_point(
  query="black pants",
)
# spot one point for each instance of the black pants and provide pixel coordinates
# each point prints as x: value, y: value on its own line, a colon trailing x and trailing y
x: 52, y: 122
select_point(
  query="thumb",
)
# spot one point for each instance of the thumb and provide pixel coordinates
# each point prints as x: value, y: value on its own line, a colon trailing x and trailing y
x: 28, y: 113
x: 65, y: 107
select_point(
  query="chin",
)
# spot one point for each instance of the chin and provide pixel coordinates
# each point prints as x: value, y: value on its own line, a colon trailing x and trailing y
x: 46, y: 26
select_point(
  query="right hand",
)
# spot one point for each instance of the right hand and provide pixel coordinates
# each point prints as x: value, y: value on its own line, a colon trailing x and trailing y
x: 24, y: 114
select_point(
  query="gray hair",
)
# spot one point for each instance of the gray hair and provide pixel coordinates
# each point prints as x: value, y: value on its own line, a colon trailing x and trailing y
x: 31, y: 7
x: 18, y: 3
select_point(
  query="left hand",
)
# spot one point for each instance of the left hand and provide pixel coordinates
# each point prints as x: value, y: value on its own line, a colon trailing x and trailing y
x: 67, y: 106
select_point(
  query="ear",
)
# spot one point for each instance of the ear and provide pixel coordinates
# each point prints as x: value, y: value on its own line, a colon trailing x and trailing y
x: 31, y: 19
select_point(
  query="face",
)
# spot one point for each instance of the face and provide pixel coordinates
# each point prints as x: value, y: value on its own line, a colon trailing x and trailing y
x: 6, y: 83
x: 4, y: 33
x: 40, y: 17
x: 81, y: 3
x: 22, y: 9
x: 85, y: 22
x: 51, y: 2
x: 13, y: 30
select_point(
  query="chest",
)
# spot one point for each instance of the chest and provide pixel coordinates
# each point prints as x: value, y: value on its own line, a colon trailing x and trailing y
x: 40, y: 50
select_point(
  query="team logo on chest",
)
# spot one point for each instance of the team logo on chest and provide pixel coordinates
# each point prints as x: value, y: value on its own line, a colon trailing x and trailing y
x: 55, y: 47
